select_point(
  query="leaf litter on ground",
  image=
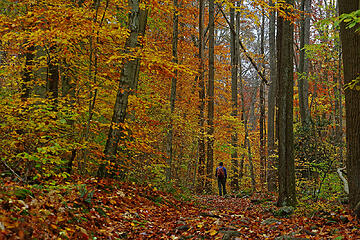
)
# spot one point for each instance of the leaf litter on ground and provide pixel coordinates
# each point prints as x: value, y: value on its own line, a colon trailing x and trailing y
x: 108, y: 209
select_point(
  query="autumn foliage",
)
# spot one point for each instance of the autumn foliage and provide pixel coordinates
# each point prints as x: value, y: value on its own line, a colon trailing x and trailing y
x: 61, y: 70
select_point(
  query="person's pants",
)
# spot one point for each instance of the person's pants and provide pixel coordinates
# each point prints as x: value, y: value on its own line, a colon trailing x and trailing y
x: 222, y: 186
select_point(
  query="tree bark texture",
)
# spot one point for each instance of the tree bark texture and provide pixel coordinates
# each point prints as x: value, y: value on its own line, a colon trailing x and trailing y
x: 303, y: 84
x: 137, y: 24
x: 210, y: 95
x: 271, y: 172
x: 234, y: 98
x: 262, y: 111
x: 351, y: 60
x: 201, y: 141
x: 286, y: 169
x: 172, y: 91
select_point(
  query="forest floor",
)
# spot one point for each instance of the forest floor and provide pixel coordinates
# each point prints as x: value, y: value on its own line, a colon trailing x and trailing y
x: 106, y: 209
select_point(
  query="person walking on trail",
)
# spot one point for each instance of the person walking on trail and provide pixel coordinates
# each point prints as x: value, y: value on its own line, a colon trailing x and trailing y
x: 221, y: 176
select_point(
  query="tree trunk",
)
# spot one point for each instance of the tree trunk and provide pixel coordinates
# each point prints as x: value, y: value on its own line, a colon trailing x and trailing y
x: 246, y: 138
x: 201, y: 141
x: 262, y: 111
x: 136, y: 23
x: 234, y: 98
x: 351, y: 60
x: 29, y: 58
x: 252, y: 117
x: 340, y: 114
x: 53, y: 76
x: 271, y: 167
x: 286, y: 170
x: 172, y: 91
x: 210, y: 95
x: 93, y: 64
x: 238, y: 23
x: 304, y: 62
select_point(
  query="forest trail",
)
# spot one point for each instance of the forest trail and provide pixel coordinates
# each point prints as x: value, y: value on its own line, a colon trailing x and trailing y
x: 108, y: 209
x: 214, y: 217
x: 259, y: 218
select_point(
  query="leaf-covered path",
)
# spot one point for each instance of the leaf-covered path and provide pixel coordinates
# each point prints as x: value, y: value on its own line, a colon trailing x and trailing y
x: 107, y: 209
x: 258, y: 218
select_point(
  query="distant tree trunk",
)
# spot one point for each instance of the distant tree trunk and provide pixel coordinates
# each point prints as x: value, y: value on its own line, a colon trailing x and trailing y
x: 234, y: 98
x: 2, y: 61
x: 252, y: 117
x: 304, y: 62
x: 53, y: 76
x: 93, y: 69
x: 68, y: 89
x: 350, y: 41
x: 29, y: 58
x: 339, y: 112
x: 262, y: 111
x: 172, y: 91
x: 201, y: 141
x: 137, y: 19
x: 210, y: 95
x: 285, y: 77
x: 238, y: 23
x: 246, y: 138
x: 271, y: 167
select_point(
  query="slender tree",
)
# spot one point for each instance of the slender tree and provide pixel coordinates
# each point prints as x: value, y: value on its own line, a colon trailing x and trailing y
x: 53, y: 74
x: 210, y: 95
x: 350, y: 40
x: 271, y: 172
x: 234, y: 99
x: 304, y: 62
x: 201, y: 141
x: 137, y: 19
x: 172, y: 90
x: 262, y: 109
x: 246, y: 137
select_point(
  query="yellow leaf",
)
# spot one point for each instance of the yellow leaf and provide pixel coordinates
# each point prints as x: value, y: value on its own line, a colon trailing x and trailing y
x: 213, y: 232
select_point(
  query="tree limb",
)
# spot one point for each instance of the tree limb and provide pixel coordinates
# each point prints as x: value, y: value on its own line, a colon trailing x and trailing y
x: 16, y: 175
x: 263, y: 78
x: 346, y: 185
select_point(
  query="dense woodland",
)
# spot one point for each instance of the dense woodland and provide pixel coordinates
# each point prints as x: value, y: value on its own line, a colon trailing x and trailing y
x: 104, y: 101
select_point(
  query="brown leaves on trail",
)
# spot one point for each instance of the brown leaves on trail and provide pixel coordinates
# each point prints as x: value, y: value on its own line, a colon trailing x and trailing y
x: 115, y: 210
x: 254, y: 219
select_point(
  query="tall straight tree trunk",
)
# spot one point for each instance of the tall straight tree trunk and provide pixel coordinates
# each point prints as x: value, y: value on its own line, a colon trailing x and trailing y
x: 339, y: 113
x: 252, y: 117
x: 210, y: 95
x: 201, y: 141
x: 246, y: 138
x: 271, y: 167
x: 234, y: 98
x: 286, y: 170
x: 262, y: 111
x: 93, y: 69
x: 172, y: 91
x: 304, y: 62
x: 137, y: 24
x: 350, y: 41
x: 238, y: 28
x: 244, y: 117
